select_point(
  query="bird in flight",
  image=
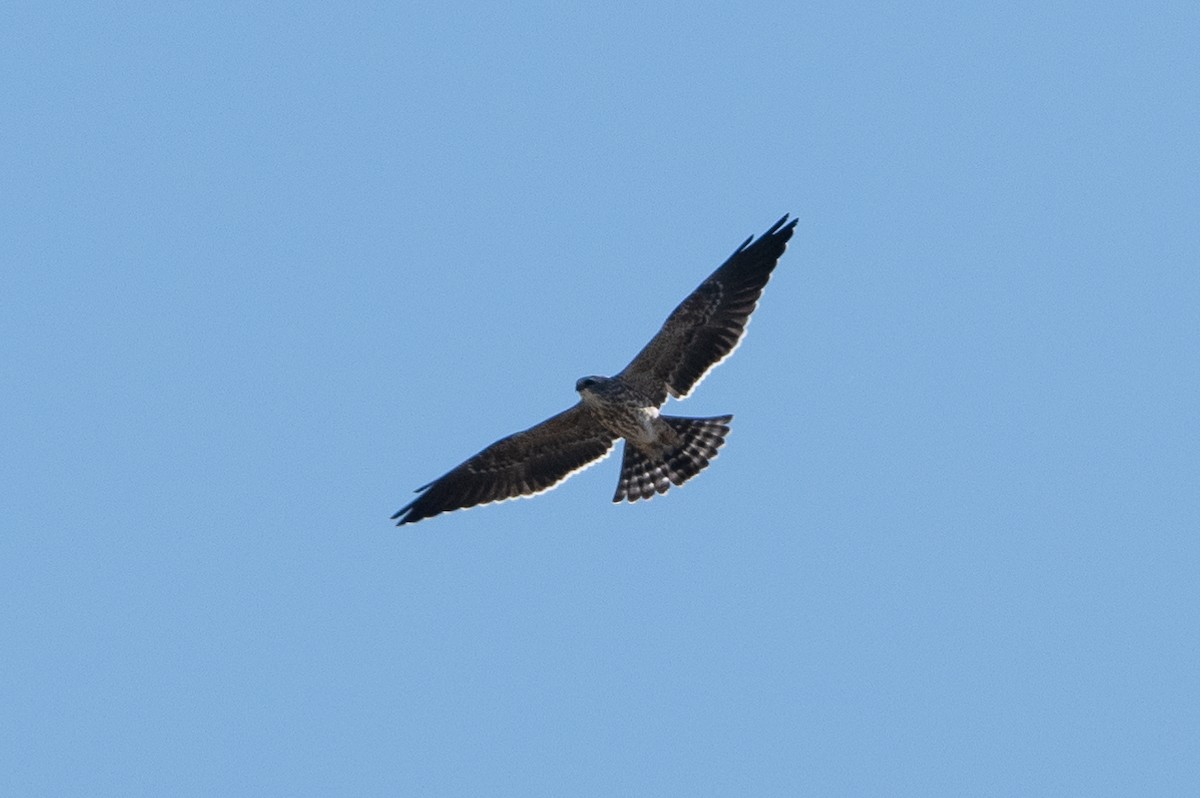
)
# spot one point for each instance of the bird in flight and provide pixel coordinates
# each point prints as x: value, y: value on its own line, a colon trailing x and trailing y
x: 660, y: 450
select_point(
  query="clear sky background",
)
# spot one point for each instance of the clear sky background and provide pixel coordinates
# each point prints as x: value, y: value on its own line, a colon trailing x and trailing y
x: 269, y: 267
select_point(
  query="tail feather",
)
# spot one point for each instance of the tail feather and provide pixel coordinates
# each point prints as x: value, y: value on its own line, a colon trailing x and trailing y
x: 643, y: 475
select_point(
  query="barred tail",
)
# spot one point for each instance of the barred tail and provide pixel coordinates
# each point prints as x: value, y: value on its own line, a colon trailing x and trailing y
x: 643, y: 475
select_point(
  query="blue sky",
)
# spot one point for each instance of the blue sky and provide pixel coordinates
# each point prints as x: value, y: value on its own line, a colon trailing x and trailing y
x: 269, y: 267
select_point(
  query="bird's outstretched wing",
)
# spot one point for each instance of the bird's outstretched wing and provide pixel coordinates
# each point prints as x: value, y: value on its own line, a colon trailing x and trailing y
x: 710, y: 323
x: 523, y: 464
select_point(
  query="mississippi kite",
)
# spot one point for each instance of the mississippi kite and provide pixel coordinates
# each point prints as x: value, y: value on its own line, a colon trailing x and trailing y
x: 660, y: 450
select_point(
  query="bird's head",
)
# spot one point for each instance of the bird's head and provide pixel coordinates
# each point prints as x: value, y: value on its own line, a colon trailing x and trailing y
x: 583, y: 383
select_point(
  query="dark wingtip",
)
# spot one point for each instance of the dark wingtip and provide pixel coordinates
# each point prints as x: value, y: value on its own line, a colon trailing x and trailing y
x: 406, y: 512
x: 773, y: 230
x: 783, y: 224
x: 781, y: 231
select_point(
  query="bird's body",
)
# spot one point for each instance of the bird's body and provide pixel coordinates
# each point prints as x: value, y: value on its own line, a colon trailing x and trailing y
x: 660, y: 450
x: 623, y: 411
